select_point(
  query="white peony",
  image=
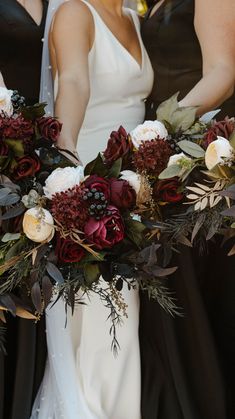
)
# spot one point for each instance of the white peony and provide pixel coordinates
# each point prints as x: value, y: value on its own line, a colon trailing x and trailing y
x: 5, y: 101
x: 177, y: 159
x: 149, y: 130
x: 62, y: 179
x: 132, y: 178
x: 216, y: 151
x: 38, y: 225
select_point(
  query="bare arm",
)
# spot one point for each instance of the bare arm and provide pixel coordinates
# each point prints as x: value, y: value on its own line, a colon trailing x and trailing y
x: 214, y: 25
x: 71, y: 39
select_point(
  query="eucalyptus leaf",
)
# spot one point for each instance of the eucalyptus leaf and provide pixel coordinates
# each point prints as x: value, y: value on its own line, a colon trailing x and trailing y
x: 166, y: 109
x: 183, y: 118
x: 4, y: 192
x: 13, y: 212
x: 171, y: 171
x: 10, y: 237
x: 54, y: 273
x: 9, y: 200
x: 191, y: 148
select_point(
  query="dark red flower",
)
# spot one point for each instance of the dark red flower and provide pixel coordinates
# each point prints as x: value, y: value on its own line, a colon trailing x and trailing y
x: 49, y: 128
x: 68, y: 251
x: 98, y: 183
x: 119, y: 145
x: 122, y: 194
x: 221, y: 128
x: 26, y: 166
x: 16, y: 128
x: 108, y: 231
x: 69, y: 209
x: 152, y: 156
x: 167, y: 191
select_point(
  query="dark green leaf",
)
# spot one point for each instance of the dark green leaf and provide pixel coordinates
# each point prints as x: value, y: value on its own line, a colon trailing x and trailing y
x: 4, y: 161
x: 232, y: 139
x: 46, y: 290
x: 135, y: 231
x: 33, y: 112
x: 96, y: 167
x: 17, y: 146
x: 92, y: 273
x: 13, y: 212
x: 119, y: 284
x: 54, y: 273
x: 15, y: 250
x: 115, y: 170
x: 36, y: 297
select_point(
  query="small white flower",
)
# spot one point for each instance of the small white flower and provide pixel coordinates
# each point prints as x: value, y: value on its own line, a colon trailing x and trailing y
x: 217, y: 151
x: 178, y: 159
x: 38, y: 224
x: 5, y: 101
x: 134, y: 179
x: 62, y: 179
x: 149, y: 130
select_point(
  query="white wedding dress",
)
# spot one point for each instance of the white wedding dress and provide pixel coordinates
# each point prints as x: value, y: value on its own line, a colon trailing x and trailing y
x: 83, y: 378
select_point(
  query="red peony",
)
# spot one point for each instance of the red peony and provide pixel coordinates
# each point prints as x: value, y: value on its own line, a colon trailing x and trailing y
x: 221, y: 128
x: 167, y: 191
x: 108, y: 231
x: 26, y: 166
x: 122, y: 194
x: 152, y: 156
x: 16, y: 128
x: 49, y: 128
x: 98, y: 183
x: 67, y: 250
x: 69, y: 209
x: 119, y: 145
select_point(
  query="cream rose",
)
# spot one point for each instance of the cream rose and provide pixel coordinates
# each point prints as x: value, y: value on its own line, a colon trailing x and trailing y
x: 149, y: 130
x: 132, y: 178
x: 5, y: 101
x: 217, y: 151
x: 178, y: 159
x: 62, y: 179
x: 38, y: 224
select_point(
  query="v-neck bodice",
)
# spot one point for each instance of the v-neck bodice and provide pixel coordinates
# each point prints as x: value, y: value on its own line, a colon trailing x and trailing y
x: 118, y: 87
x: 21, y: 48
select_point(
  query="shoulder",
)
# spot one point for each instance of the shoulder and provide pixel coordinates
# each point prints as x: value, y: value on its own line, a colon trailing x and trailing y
x: 73, y: 11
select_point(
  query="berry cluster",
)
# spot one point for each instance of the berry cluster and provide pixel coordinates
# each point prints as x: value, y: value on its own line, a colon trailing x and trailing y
x: 97, y: 203
x: 17, y: 100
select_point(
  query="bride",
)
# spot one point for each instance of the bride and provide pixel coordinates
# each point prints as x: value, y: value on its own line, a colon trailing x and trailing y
x: 102, y: 75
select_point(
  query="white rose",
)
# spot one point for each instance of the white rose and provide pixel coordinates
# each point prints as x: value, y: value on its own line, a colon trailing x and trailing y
x: 62, y: 179
x: 149, y: 130
x: 38, y: 224
x: 177, y: 159
x: 216, y: 151
x: 5, y: 101
x: 132, y: 178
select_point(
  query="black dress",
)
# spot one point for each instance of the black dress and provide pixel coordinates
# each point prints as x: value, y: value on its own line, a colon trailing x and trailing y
x: 187, y: 363
x: 22, y: 369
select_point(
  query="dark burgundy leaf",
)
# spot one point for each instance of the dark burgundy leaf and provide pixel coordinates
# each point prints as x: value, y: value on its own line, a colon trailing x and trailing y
x: 46, y: 290
x: 7, y: 302
x: 36, y: 296
x: 54, y: 273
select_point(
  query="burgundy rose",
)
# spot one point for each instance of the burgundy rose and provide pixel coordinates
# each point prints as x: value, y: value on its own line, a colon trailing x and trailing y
x: 68, y: 251
x: 119, y: 145
x: 221, y: 128
x: 99, y: 184
x: 167, y: 191
x: 26, y: 166
x: 122, y: 194
x: 49, y: 128
x: 16, y: 128
x: 108, y: 231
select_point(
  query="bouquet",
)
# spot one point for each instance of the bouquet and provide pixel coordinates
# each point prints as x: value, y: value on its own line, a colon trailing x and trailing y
x: 66, y: 232
x: 186, y: 171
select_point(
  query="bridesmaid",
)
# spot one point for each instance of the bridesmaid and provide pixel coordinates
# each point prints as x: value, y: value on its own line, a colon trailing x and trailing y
x: 192, y: 50
x: 21, y: 31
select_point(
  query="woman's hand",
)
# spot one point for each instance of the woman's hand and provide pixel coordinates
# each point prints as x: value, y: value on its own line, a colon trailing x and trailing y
x: 214, y: 25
